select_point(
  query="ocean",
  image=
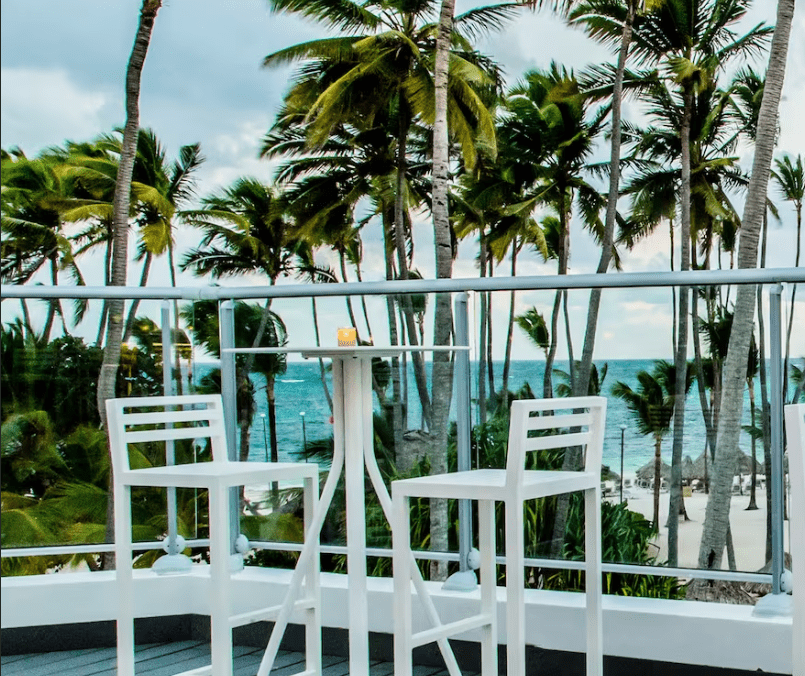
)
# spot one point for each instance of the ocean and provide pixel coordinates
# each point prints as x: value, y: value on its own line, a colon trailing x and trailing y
x: 302, y: 411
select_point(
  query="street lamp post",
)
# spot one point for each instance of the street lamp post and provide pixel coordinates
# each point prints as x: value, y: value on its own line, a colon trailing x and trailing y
x: 304, y: 433
x: 265, y: 436
x: 623, y: 432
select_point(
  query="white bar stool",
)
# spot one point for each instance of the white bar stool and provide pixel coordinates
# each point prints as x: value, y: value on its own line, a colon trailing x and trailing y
x: 160, y: 419
x: 564, y: 423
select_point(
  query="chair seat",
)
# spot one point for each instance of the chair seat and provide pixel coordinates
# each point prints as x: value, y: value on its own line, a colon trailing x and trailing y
x: 490, y: 484
x: 216, y: 474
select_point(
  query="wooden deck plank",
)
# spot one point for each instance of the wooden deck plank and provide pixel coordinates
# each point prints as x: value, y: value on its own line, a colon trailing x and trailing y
x: 62, y: 661
x: 381, y: 669
x: 168, y: 659
x: 147, y: 656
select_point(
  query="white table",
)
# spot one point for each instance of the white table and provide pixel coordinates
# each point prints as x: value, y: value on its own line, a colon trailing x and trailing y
x: 353, y: 437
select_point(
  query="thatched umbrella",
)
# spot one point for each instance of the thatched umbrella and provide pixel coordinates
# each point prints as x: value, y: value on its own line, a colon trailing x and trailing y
x: 688, y: 469
x: 743, y: 466
x: 646, y: 472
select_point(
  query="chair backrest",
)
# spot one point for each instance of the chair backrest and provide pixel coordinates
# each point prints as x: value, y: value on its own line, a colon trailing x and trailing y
x: 165, y: 419
x: 795, y: 434
x: 542, y: 424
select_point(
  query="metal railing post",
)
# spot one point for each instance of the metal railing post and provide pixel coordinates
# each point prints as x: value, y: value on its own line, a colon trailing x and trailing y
x: 226, y: 331
x: 167, y: 386
x: 175, y: 561
x: 465, y: 578
x: 776, y: 431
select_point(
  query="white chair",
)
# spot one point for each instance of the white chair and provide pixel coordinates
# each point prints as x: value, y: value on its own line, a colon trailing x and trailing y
x: 197, y: 417
x: 795, y: 431
x: 564, y: 423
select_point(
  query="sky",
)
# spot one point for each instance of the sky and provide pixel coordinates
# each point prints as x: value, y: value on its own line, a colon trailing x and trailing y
x: 62, y: 74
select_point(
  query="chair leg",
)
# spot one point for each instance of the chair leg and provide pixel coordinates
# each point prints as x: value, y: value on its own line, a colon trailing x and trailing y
x: 125, y: 582
x: 221, y: 643
x: 592, y: 581
x: 403, y: 621
x: 486, y: 543
x: 312, y: 586
x: 515, y: 592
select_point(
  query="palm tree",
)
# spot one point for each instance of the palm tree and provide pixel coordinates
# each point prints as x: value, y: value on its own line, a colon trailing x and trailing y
x: 554, y: 97
x: 534, y: 326
x: 488, y: 204
x: 652, y: 406
x: 594, y: 385
x: 383, y: 75
x: 383, y: 69
x: 114, y: 333
x: 790, y: 180
x: 326, y: 183
x: 246, y: 231
x: 33, y: 231
x: 253, y: 331
x: 690, y: 41
x: 716, y: 517
x: 595, y: 15
x: 174, y: 183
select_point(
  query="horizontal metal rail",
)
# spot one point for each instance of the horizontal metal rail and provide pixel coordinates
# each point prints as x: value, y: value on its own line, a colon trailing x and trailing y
x: 619, y: 280
x: 66, y: 550
x: 551, y: 564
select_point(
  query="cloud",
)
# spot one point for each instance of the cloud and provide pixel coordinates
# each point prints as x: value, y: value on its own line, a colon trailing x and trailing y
x: 43, y: 107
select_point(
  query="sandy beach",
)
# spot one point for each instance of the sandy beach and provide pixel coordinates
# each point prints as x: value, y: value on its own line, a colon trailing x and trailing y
x: 748, y: 528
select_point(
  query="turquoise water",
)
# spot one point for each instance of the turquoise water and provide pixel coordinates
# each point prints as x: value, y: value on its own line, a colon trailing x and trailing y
x: 299, y: 390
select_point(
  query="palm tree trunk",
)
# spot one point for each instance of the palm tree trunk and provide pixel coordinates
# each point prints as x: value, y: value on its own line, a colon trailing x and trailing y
x: 54, y: 304
x: 177, y: 354
x: 490, y: 362
x: 717, y: 514
x: 765, y: 414
x: 673, y: 290
x: 417, y: 358
x: 581, y: 383
x: 765, y: 406
x: 107, y: 279
x: 752, y: 485
x: 710, y: 430
x: 658, y: 482
x: 322, y: 372
x: 681, y: 356
x: 26, y: 318
x: 442, y: 379
x: 397, y: 421
x: 547, y: 377
x: 350, y: 310
x: 272, y: 424
x: 510, y: 328
x: 482, y: 354
x: 114, y: 334
x: 135, y: 303
x: 572, y: 459
x: 571, y: 368
x: 359, y: 275
x: 562, y: 270
x: 791, y: 311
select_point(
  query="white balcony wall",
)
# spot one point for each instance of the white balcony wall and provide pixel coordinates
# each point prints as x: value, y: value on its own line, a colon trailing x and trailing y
x: 682, y: 632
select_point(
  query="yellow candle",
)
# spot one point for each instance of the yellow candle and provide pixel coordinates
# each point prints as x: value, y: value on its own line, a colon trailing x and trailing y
x: 347, y: 337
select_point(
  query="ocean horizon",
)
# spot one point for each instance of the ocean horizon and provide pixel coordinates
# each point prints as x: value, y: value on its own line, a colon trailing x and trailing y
x: 301, y: 403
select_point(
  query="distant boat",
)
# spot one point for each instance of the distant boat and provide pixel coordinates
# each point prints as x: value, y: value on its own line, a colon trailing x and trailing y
x: 290, y: 380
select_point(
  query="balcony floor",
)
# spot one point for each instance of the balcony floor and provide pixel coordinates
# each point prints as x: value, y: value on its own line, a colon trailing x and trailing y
x: 166, y: 659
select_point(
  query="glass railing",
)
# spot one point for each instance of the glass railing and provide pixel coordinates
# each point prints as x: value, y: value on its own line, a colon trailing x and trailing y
x: 526, y: 343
